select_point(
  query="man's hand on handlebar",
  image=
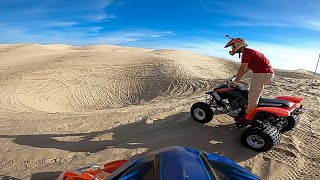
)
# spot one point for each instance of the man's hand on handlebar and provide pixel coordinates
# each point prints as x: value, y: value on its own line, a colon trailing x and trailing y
x: 233, y: 84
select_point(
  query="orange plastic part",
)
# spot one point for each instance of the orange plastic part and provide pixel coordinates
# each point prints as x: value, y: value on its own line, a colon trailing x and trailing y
x: 283, y: 112
x: 95, y: 174
x: 112, y: 166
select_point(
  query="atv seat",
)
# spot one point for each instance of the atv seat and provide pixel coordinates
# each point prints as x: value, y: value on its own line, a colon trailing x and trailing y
x: 274, y: 103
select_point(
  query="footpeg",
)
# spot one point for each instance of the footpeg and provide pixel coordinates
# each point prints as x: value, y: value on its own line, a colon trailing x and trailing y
x: 240, y: 125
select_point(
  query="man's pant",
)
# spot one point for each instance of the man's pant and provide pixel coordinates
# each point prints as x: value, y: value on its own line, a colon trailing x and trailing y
x: 258, y: 81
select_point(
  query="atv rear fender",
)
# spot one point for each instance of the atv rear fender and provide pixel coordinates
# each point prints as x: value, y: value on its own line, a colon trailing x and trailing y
x: 279, y: 111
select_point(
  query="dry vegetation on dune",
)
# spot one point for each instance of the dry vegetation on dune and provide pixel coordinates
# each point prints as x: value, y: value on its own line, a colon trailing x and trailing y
x: 63, y: 107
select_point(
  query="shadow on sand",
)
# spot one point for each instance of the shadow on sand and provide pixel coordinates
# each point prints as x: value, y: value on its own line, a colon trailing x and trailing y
x: 175, y: 130
x: 3, y: 177
x: 45, y: 175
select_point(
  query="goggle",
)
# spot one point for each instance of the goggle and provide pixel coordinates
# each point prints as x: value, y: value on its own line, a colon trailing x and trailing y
x: 233, y: 47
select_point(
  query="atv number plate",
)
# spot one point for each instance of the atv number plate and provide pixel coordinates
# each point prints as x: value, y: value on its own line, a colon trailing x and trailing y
x: 216, y: 95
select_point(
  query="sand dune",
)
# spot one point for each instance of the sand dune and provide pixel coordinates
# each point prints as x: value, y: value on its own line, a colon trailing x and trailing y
x: 62, y: 107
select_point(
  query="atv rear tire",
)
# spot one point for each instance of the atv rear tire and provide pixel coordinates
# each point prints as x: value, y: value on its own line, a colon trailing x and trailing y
x: 261, y: 140
x: 292, y: 122
x: 201, y: 112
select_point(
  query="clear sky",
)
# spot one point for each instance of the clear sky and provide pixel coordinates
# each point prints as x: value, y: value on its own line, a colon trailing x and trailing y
x: 286, y: 31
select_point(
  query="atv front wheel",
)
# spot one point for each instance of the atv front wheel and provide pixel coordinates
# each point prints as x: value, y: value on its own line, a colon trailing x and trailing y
x: 261, y: 140
x: 201, y: 112
x: 292, y: 121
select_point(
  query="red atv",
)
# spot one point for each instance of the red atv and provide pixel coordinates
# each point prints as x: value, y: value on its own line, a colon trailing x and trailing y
x: 263, y: 124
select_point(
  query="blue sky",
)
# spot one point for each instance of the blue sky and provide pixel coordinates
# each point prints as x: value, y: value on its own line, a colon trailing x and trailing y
x: 286, y: 31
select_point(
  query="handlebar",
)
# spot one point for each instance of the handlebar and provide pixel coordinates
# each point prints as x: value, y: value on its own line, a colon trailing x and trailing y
x: 231, y: 80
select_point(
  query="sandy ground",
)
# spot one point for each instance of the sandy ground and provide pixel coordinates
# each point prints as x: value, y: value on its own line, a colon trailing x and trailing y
x: 64, y: 107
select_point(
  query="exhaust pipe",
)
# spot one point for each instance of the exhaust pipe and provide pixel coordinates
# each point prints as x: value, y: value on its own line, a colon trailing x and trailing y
x: 299, y: 111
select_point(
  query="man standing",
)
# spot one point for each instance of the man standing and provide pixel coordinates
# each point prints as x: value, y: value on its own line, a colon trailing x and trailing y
x: 255, y: 61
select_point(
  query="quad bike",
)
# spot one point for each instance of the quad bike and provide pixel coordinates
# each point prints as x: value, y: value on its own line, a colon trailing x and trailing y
x: 264, y: 124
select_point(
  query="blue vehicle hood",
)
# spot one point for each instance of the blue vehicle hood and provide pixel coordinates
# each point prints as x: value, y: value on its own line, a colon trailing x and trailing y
x: 176, y: 162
